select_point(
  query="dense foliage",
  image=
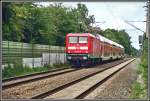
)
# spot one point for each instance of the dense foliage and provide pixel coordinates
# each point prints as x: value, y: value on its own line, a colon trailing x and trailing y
x: 48, y: 25
x: 31, y: 23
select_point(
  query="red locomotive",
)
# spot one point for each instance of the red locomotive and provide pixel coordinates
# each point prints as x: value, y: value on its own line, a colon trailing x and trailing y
x: 87, y: 49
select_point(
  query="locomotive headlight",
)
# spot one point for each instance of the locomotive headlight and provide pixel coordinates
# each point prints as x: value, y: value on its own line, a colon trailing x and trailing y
x: 84, y: 57
x: 69, y: 57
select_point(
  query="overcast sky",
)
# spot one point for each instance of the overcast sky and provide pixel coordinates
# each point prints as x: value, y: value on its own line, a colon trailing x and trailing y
x: 114, y: 13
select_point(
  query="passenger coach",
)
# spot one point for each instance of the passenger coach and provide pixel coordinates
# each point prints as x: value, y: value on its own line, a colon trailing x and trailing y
x: 87, y: 49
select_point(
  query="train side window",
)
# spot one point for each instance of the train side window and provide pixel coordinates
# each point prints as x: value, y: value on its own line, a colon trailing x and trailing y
x: 73, y: 39
x: 83, y: 39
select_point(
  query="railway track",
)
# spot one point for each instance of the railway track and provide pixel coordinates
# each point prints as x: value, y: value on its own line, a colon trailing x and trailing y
x: 11, y: 82
x: 15, y: 81
x: 101, y: 81
x: 32, y: 74
x: 61, y: 89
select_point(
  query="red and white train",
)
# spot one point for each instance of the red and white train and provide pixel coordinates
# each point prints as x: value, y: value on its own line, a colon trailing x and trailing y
x: 87, y: 49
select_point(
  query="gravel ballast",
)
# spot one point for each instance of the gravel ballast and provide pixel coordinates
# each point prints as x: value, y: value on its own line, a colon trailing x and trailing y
x: 119, y: 86
x: 77, y: 89
x: 30, y: 89
x: 26, y: 91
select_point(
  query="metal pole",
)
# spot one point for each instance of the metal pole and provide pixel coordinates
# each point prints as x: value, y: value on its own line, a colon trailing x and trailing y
x: 59, y: 54
x: 32, y: 51
x: 22, y: 53
x: 49, y: 54
x: 148, y: 33
x: 8, y: 57
x: 55, y: 55
x: 32, y: 56
x: 42, y: 55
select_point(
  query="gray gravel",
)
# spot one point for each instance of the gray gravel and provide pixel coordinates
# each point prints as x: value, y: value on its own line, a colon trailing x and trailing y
x: 30, y: 89
x: 26, y: 91
x: 119, y: 86
x: 78, y: 88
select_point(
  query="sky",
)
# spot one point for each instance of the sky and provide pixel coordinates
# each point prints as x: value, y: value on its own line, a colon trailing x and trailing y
x: 114, y: 14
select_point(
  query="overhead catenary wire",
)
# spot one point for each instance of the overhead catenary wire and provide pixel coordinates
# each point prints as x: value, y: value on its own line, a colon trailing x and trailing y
x: 125, y: 21
x: 133, y: 26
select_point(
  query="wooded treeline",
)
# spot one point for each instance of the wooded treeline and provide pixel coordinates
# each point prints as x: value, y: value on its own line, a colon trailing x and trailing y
x: 31, y: 23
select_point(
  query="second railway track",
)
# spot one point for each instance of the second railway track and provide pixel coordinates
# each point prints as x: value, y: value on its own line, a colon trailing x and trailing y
x: 11, y: 82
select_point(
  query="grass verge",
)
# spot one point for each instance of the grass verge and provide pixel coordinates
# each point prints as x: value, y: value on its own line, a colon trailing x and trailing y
x: 139, y: 88
x: 19, y: 70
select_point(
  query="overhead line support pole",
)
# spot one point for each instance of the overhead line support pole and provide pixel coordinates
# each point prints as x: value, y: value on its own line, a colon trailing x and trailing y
x: 148, y: 34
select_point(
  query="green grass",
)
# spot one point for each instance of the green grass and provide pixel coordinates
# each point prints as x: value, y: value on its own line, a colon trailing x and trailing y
x: 139, y: 90
x: 19, y: 70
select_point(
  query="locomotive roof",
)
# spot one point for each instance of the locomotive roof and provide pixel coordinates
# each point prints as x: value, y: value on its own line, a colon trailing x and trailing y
x: 78, y: 34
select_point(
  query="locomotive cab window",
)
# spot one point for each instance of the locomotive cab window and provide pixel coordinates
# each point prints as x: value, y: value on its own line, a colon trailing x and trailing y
x: 83, y: 39
x: 73, y: 39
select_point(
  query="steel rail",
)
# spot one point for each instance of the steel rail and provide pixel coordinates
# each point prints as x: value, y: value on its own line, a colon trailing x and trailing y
x: 88, y: 91
x: 32, y: 74
x: 61, y: 87
x: 7, y: 85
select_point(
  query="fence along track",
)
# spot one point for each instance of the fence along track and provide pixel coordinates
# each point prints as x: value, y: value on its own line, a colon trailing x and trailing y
x: 7, y: 85
x: 15, y: 50
x: 61, y: 87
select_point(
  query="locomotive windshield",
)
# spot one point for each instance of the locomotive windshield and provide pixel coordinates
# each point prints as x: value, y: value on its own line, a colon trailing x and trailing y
x: 83, y: 39
x: 78, y: 39
x: 73, y: 39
